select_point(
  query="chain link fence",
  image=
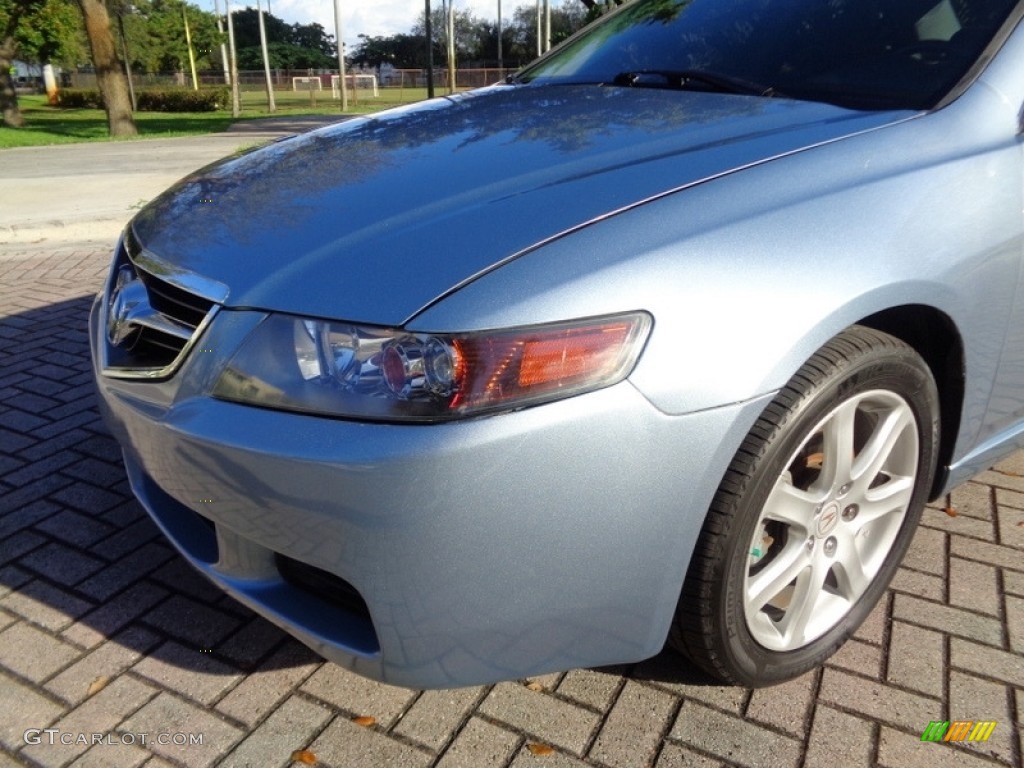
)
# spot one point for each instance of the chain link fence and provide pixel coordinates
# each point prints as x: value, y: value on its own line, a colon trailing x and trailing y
x: 282, y: 79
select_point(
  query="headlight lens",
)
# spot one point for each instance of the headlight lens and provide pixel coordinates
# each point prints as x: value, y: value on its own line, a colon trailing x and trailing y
x: 340, y: 369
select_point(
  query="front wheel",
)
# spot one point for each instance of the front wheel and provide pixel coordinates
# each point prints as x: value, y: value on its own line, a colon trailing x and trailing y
x: 814, y: 513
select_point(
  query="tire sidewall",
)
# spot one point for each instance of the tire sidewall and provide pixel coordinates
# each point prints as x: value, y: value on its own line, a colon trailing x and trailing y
x: 897, y: 370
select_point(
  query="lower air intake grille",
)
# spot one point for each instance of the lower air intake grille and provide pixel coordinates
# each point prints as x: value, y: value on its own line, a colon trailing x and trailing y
x: 322, y: 584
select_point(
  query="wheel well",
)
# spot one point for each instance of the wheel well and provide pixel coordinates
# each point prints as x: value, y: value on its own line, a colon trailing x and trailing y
x: 935, y: 338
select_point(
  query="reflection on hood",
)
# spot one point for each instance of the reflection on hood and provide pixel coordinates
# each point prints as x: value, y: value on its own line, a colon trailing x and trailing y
x: 373, y: 218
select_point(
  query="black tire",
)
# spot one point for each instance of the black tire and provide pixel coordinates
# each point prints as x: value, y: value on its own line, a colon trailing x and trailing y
x: 828, y: 488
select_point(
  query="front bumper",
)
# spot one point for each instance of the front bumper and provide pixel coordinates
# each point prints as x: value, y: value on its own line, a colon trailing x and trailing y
x: 431, y: 555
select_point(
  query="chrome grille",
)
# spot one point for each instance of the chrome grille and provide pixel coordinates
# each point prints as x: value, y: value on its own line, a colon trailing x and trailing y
x: 154, y: 313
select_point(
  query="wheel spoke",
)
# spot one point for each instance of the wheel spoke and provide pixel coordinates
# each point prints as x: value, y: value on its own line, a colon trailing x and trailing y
x: 791, y: 505
x: 881, y: 446
x: 804, y: 604
x: 890, y: 497
x: 768, y: 583
x: 837, y: 434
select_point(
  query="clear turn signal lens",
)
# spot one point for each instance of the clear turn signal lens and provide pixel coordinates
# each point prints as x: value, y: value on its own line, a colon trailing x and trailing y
x: 364, y: 372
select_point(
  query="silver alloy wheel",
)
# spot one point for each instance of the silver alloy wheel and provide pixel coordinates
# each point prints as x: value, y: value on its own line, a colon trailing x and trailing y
x: 831, y: 520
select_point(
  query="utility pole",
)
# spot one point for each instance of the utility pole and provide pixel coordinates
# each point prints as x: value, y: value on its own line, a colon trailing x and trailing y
x: 547, y: 25
x: 188, y: 41
x: 223, y: 48
x: 127, y: 58
x: 266, y: 59
x: 540, y: 31
x: 501, y: 62
x: 341, y: 55
x: 236, y: 96
x: 430, y: 50
x: 451, y: 46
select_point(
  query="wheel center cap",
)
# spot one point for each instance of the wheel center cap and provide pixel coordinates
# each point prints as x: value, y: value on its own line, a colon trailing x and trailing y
x: 828, y: 519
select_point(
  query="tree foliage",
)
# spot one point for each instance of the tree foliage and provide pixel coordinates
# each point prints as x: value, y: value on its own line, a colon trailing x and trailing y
x: 51, y: 33
x: 403, y: 51
x: 154, y: 35
x: 36, y: 31
x: 289, y: 46
x: 476, y: 39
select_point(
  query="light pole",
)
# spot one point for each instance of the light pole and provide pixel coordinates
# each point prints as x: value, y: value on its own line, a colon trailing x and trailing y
x: 450, y: 27
x: 223, y: 48
x: 341, y: 55
x: 121, y: 8
x: 191, y: 54
x: 547, y: 25
x: 540, y: 32
x: 236, y: 96
x: 271, y: 107
x: 430, y: 50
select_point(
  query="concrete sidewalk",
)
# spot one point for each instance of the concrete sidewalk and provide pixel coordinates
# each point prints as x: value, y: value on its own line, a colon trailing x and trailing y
x: 85, y: 193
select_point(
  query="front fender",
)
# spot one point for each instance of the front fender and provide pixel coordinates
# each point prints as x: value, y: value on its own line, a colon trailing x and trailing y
x: 747, y: 275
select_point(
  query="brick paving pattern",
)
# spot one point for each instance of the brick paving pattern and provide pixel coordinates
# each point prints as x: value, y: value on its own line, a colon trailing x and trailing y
x: 104, y: 630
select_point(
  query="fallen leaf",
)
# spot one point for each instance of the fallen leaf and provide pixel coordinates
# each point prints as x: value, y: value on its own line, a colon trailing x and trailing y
x: 534, y: 686
x: 303, y: 756
x: 951, y: 512
x: 540, y: 749
x: 97, y: 685
x: 366, y: 721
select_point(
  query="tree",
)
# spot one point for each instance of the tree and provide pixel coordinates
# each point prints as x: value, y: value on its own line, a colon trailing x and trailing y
x: 110, y: 74
x: 401, y: 51
x: 156, y: 35
x: 37, y: 31
x: 596, y: 7
x: 467, y: 33
x: 12, y: 13
x: 565, y: 20
x: 289, y: 46
x: 315, y: 38
x: 284, y: 56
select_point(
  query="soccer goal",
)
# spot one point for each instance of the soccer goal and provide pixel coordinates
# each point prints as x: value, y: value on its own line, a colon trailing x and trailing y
x: 354, y: 81
x: 307, y: 84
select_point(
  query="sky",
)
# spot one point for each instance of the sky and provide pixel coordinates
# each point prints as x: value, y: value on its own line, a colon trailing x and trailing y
x: 374, y: 17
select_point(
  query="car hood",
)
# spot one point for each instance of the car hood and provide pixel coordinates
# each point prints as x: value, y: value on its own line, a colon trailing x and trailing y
x: 373, y: 219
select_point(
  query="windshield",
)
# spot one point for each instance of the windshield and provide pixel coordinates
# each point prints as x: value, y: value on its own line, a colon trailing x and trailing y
x: 870, y: 54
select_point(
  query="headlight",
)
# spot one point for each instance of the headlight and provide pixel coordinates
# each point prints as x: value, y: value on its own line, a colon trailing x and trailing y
x: 361, y: 371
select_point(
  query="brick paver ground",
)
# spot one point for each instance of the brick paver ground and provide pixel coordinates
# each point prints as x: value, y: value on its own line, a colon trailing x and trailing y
x: 104, y: 631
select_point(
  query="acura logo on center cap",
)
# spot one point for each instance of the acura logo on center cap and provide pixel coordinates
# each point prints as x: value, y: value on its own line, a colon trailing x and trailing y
x: 828, y: 519
x: 126, y: 297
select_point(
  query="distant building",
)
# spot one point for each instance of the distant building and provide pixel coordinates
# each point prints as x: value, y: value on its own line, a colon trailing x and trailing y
x: 23, y: 71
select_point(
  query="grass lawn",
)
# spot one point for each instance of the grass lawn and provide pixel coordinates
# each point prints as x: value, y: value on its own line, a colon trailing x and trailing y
x: 50, y: 125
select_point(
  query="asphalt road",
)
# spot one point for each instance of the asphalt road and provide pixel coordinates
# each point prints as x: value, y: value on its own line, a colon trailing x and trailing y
x: 85, y: 193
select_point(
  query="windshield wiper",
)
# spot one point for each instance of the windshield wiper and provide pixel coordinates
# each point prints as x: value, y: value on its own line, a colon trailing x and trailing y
x: 686, y: 79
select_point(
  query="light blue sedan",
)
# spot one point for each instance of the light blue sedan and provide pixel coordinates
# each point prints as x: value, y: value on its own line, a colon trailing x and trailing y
x: 668, y: 338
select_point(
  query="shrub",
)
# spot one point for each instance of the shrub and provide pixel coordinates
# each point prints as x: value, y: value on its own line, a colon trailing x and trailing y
x: 182, y: 100
x: 152, y: 99
x: 80, y: 98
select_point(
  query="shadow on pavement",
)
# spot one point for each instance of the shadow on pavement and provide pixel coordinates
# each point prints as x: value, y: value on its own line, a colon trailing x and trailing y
x: 78, y: 555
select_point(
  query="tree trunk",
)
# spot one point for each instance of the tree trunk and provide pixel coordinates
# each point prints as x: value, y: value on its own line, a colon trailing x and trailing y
x: 109, y: 73
x: 8, y: 96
